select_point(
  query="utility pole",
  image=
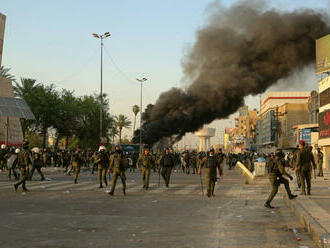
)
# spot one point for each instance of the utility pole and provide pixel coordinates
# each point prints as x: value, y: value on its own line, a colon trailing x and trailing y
x: 141, y: 80
x: 101, y: 37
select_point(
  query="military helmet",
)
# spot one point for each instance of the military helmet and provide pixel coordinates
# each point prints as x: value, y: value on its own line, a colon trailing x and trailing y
x: 35, y: 150
x: 3, y: 146
x: 102, y: 148
x: 17, y: 151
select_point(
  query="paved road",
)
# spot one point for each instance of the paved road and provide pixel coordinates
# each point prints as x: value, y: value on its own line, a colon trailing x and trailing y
x: 60, y: 214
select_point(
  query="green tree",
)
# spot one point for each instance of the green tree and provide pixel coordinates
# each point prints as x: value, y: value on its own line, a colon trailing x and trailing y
x: 4, y: 72
x: 122, y: 121
x: 113, y: 132
x: 136, y: 110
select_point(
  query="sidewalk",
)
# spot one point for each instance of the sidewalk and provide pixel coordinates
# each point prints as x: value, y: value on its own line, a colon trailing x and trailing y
x: 314, y: 211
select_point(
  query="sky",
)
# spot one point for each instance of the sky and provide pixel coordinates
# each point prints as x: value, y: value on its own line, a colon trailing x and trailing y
x: 52, y: 41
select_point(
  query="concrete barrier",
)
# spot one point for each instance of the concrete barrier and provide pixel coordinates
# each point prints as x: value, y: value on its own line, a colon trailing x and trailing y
x: 245, y: 172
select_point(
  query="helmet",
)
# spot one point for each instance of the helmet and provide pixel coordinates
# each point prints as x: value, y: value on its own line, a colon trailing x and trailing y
x: 102, y: 148
x: 17, y: 151
x: 3, y: 146
x: 35, y: 149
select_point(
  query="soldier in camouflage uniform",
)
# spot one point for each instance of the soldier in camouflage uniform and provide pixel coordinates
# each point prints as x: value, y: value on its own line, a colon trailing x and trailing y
x: 305, y: 160
x: 276, y: 173
x: 167, y: 162
x: 118, y: 166
x: 211, y: 164
x: 76, y: 162
x: 37, y: 163
x: 319, y: 162
x: 3, y: 152
x: 23, y: 162
x: 146, y: 161
x: 102, y: 161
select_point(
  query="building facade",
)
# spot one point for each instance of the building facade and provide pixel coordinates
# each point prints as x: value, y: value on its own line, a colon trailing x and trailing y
x: 324, y: 120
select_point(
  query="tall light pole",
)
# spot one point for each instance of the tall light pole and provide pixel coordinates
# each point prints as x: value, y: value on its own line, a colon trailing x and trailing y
x: 101, y: 37
x: 141, y: 80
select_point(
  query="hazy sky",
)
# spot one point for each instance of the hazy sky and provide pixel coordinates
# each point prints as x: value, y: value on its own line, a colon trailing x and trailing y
x: 51, y: 41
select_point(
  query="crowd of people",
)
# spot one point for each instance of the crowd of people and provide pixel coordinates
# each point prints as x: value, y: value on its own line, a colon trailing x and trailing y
x: 21, y: 163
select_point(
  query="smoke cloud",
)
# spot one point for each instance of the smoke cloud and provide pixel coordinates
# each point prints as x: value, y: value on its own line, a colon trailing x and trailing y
x: 242, y: 51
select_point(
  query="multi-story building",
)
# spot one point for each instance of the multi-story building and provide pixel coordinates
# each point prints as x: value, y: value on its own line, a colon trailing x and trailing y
x: 2, y: 33
x: 279, y: 112
x: 313, y: 107
x: 324, y: 119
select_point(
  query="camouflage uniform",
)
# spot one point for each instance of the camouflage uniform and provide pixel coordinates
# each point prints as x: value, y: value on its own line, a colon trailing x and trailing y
x: 211, y: 164
x: 102, y: 161
x: 167, y: 162
x: 37, y: 163
x: 76, y: 162
x: 320, y: 163
x: 118, y: 166
x: 23, y: 161
x: 146, y: 162
x: 304, y: 160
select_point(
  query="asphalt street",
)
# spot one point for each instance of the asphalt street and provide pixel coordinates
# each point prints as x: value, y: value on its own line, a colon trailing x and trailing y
x: 59, y: 214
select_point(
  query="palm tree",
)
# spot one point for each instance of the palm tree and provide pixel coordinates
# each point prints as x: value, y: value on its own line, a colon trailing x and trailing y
x: 122, y: 121
x: 4, y: 73
x: 136, y: 110
x: 113, y: 132
x: 26, y: 87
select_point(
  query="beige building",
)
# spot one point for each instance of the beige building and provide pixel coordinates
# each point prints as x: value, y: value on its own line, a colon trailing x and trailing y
x: 246, y: 124
x: 324, y: 120
x: 2, y: 34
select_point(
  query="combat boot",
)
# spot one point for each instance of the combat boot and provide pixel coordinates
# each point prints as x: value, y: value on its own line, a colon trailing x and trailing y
x: 292, y: 196
x: 308, y: 192
x: 267, y: 205
x: 111, y: 193
x: 303, y: 192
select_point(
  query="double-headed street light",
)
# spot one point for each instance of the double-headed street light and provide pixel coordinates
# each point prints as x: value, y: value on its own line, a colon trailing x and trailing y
x: 141, y: 80
x: 101, y: 37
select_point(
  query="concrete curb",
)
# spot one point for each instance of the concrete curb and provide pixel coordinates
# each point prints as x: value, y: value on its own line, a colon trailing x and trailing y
x: 320, y: 234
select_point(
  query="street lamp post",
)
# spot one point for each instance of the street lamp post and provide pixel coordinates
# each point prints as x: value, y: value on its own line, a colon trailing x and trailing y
x: 101, y: 37
x: 141, y: 80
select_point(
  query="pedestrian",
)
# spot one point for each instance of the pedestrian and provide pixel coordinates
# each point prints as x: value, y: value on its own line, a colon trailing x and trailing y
x: 276, y: 178
x: 319, y: 162
x: 305, y: 161
x: 167, y: 162
x: 146, y: 162
x: 37, y: 163
x: 76, y: 162
x: 23, y: 162
x: 102, y: 161
x: 118, y: 166
x: 211, y: 164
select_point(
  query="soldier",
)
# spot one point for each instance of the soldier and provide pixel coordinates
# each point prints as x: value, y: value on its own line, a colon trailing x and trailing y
x: 23, y: 161
x: 319, y: 162
x: 3, y: 152
x: 76, y: 162
x: 186, y: 159
x: 11, y: 157
x: 193, y: 162
x: 146, y: 162
x: 304, y: 160
x: 118, y: 166
x: 167, y: 162
x: 37, y: 163
x: 102, y: 161
x: 277, y: 171
x: 211, y: 164
x: 221, y: 157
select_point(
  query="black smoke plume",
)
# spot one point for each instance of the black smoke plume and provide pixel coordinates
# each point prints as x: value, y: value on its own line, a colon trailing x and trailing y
x: 242, y: 51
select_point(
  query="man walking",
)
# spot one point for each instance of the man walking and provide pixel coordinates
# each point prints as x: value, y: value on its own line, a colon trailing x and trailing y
x: 167, y: 162
x: 211, y: 164
x: 118, y: 166
x: 102, y: 161
x: 37, y: 164
x: 23, y: 161
x: 276, y: 178
x: 305, y: 159
x: 319, y: 162
x: 146, y: 161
